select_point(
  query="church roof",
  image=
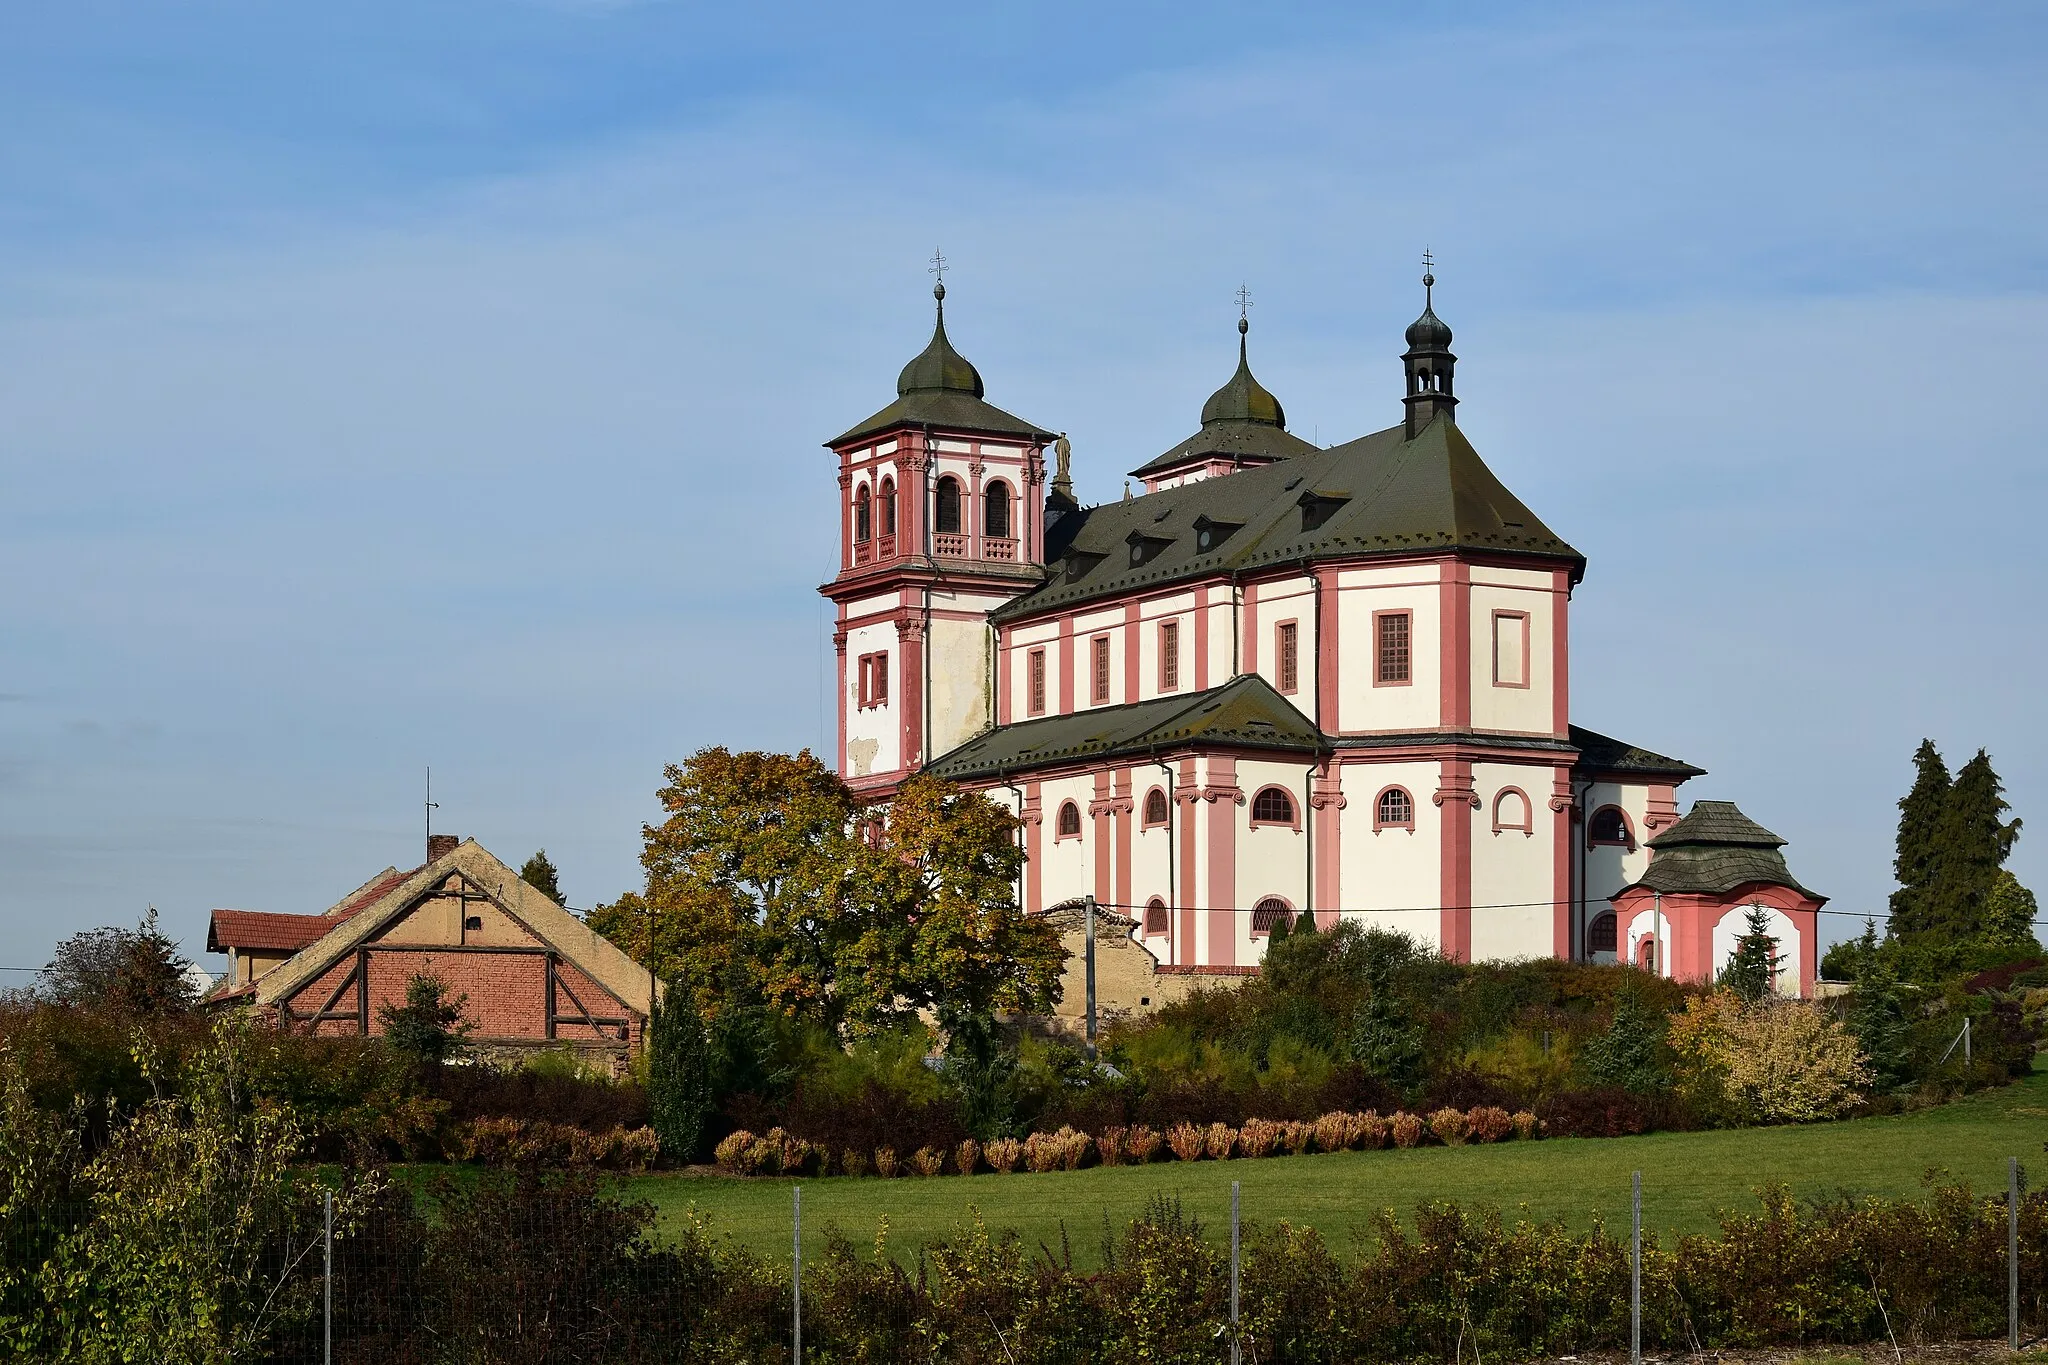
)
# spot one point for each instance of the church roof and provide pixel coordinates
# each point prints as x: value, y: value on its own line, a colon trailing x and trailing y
x: 1241, y: 421
x: 941, y: 388
x: 1716, y: 849
x: 1244, y: 713
x: 1600, y: 753
x: 1380, y: 494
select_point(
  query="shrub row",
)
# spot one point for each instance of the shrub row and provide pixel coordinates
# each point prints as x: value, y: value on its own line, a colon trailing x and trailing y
x: 1455, y: 1281
x: 530, y: 1142
x: 778, y: 1152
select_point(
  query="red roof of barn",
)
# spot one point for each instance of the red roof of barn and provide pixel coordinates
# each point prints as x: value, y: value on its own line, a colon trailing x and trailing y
x: 265, y: 931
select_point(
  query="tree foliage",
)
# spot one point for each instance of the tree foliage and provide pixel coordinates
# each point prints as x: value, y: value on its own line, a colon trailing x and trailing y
x: 1952, y: 845
x: 1920, y: 815
x: 1752, y: 970
x: 429, y: 1026
x: 1386, y: 1037
x: 540, y: 873
x: 130, y: 972
x: 679, y: 1076
x: 1629, y: 1055
x: 1877, y: 1016
x: 1778, y: 1061
x: 770, y: 871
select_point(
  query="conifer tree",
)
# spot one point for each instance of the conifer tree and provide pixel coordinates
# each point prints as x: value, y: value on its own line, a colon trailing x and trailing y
x: 679, y: 1080
x: 1753, y: 969
x: 1877, y: 1016
x: 1627, y: 1055
x: 1385, y: 1038
x: 1971, y: 844
x: 1920, y: 816
x: 543, y: 876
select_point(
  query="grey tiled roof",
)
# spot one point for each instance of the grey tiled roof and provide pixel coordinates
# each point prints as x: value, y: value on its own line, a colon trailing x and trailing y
x: 1244, y: 713
x: 1599, y: 753
x: 1716, y: 849
x: 1384, y: 494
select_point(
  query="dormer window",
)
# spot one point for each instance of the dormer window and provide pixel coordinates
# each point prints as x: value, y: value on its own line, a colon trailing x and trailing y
x: 1210, y: 533
x: 1079, y: 563
x: 1317, y: 508
x: 1145, y: 548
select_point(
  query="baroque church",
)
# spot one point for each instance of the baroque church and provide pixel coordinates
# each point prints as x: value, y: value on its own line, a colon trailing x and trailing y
x: 1285, y: 680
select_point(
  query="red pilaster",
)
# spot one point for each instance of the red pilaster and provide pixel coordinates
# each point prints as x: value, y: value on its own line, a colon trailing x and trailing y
x: 910, y: 631
x: 1328, y: 803
x: 1100, y: 841
x: 1065, y: 658
x: 1560, y: 653
x: 1223, y: 796
x: 1455, y: 624
x: 1326, y: 716
x: 1456, y: 800
x: 1034, y: 842
x: 1187, y: 800
x: 1120, y: 813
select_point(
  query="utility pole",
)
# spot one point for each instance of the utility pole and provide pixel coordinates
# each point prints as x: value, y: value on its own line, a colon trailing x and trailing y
x: 1090, y: 913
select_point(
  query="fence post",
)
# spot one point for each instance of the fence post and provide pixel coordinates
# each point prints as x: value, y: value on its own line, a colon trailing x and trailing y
x: 1091, y: 976
x: 1966, y: 1045
x: 796, y: 1276
x: 327, y: 1283
x: 1235, y: 1347
x: 1635, y: 1271
x: 2012, y: 1250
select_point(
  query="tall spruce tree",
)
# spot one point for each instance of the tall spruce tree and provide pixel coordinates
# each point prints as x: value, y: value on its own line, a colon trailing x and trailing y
x: 1920, y: 816
x: 1971, y: 844
x: 543, y: 876
x: 1386, y: 1039
x: 1753, y: 969
x: 1877, y: 1016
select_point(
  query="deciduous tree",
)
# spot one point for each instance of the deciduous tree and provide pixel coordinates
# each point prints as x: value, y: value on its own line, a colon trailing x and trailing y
x: 135, y: 971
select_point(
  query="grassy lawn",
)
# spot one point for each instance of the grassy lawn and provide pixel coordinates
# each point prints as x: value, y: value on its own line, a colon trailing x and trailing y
x: 1687, y: 1177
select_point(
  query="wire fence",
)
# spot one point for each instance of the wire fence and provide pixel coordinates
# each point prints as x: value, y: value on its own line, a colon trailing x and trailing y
x: 538, y: 1270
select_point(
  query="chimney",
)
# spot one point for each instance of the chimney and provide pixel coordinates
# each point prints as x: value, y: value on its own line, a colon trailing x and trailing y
x: 441, y: 845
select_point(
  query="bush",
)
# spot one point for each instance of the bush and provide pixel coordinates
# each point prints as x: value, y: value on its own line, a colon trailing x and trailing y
x: 1597, y: 1113
x: 1489, y: 1124
x: 521, y: 1142
x: 1449, y: 1125
x: 1219, y: 1142
x: 1003, y: 1154
x: 928, y: 1161
x: 967, y: 1156
x: 1407, y: 1129
x: 886, y: 1165
x: 1526, y: 1124
x: 1109, y: 1145
x: 1259, y: 1137
x: 1186, y: 1141
x: 1143, y: 1143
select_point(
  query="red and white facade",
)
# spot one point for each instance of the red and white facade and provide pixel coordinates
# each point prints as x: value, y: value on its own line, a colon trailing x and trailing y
x: 1448, y: 796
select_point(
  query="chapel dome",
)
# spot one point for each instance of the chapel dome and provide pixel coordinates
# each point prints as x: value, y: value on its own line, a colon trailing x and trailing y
x: 1244, y: 399
x: 1429, y: 332
x: 939, y: 368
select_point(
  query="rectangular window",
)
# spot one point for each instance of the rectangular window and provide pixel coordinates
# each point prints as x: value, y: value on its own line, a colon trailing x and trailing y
x: 1286, y: 636
x: 1169, y: 656
x: 1390, y: 647
x: 1510, y: 649
x: 874, y: 679
x: 1037, y: 671
x: 1100, y: 690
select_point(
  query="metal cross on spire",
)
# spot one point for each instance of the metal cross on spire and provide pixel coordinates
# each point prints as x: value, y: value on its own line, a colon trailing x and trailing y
x: 1428, y: 273
x: 938, y: 266
x: 1244, y: 301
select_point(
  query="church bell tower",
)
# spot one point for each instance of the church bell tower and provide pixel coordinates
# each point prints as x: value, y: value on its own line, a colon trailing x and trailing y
x: 942, y: 520
x: 1429, y: 362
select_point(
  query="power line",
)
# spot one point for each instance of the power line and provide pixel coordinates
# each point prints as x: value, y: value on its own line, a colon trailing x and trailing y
x: 1439, y: 909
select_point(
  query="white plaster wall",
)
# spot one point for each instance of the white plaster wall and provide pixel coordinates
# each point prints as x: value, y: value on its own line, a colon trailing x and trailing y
x: 959, y: 697
x: 1730, y: 928
x: 1272, y: 860
x: 873, y: 735
x: 1179, y: 608
x: 1388, y: 874
x: 1222, y: 638
x: 1608, y: 868
x: 1495, y: 707
x: 1086, y: 628
x: 1361, y: 706
x: 1640, y: 927
x: 1290, y: 599
x: 1068, y: 866
x: 1512, y: 872
x: 1152, y: 869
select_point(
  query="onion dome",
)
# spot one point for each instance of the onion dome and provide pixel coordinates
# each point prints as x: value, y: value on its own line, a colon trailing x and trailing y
x: 939, y: 368
x: 1428, y: 332
x: 1243, y: 399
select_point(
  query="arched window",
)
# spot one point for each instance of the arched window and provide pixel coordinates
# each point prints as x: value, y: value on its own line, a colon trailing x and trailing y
x: 1156, y: 809
x: 1394, y: 810
x: 995, y: 510
x: 863, y: 517
x: 1646, y: 954
x: 1511, y: 811
x: 1600, y: 934
x: 1268, y: 913
x: 1272, y: 807
x: 888, y: 501
x: 1610, y: 826
x: 1070, y: 821
x: 946, y: 509
x: 1155, y: 916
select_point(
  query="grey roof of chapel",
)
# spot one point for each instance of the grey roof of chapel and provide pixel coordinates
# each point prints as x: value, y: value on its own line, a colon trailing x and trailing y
x: 1243, y: 713
x: 1381, y: 494
x: 1716, y: 849
x: 941, y: 388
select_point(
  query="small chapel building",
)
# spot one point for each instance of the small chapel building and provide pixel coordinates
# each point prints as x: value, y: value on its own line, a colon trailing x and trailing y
x: 1285, y: 680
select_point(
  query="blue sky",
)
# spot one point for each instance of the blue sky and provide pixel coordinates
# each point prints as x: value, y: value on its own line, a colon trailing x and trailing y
x: 442, y: 383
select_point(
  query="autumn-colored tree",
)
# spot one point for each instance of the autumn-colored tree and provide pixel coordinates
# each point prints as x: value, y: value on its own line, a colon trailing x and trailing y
x: 770, y: 871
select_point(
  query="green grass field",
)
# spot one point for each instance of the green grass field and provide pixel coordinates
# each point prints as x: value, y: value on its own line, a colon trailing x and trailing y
x: 1687, y: 1178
